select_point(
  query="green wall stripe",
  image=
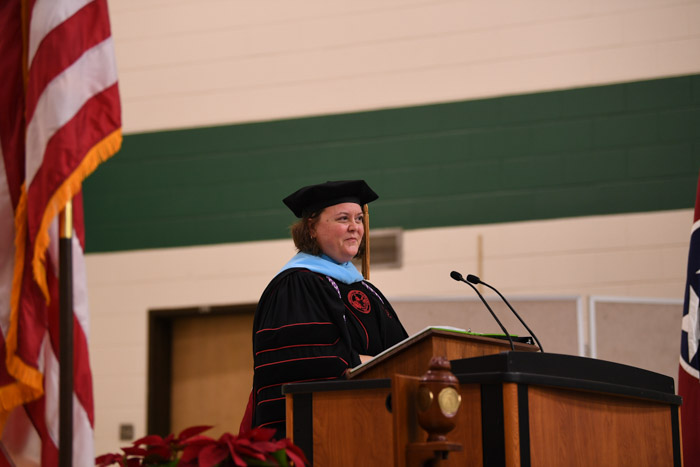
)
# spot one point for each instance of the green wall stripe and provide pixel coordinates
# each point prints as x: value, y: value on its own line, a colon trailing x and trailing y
x: 631, y: 147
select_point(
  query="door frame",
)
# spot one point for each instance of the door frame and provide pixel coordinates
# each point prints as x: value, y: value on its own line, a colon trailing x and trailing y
x: 160, y: 361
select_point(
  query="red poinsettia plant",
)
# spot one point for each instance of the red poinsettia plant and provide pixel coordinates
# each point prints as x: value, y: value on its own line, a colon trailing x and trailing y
x: 192, y: 449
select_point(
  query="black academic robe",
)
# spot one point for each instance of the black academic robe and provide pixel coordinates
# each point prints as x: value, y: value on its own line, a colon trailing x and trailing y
x: 311, y: 327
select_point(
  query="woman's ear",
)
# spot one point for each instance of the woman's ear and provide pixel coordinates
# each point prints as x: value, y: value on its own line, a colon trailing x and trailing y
x: 312, y: 228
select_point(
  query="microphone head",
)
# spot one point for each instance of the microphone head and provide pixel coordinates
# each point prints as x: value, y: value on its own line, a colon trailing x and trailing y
x: 473, y: 279
x: 456, y: 276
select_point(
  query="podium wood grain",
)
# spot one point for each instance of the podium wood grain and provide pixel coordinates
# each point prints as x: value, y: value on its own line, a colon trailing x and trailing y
x: 581, y: 428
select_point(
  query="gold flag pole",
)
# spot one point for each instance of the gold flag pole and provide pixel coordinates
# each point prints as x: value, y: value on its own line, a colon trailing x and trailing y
x: 65, y: 221
x: 365, y: 257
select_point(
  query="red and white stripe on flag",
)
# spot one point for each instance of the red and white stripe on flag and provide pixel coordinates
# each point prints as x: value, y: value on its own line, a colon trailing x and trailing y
x: 688, y: 381
x: 61, y: 117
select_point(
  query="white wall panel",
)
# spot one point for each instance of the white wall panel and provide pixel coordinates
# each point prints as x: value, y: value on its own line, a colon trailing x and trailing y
x: 637, y: 331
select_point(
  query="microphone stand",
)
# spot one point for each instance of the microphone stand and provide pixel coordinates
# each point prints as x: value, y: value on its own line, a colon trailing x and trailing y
x: 458, y: 277
x: 476, y: 280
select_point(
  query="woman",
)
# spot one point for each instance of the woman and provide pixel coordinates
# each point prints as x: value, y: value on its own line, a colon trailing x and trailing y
x: 318, y: 317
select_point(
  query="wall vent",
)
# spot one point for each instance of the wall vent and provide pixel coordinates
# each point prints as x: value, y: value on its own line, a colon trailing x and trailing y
x: 386, y: 249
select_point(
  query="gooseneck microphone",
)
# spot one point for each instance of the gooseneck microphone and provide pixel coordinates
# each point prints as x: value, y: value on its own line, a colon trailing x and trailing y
x: 475, y: 280
x: 458, y: 277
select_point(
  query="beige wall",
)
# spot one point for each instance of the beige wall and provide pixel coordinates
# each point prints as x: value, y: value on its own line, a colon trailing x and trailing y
x: 186, y: 63
x: 639, y: 255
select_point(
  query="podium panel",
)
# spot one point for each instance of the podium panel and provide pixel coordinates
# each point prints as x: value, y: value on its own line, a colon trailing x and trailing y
x: 598, y: 429
x: 518, y: 409
x: 553, y: 410
x: 341, y: 422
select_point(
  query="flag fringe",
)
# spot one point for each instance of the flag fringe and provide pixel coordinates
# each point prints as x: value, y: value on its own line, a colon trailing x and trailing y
x: 96, y: 155
x: 28, y: 385
x: 29, y: 380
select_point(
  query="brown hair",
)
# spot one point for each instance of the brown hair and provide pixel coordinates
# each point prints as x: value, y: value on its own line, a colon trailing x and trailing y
x: 301, y: 234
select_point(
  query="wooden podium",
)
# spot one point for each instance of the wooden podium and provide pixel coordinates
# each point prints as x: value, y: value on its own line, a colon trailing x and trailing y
x: 411, y: 356
x: 518, y: 409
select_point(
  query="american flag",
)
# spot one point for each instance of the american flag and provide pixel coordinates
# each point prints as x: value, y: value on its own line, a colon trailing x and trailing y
x: 688, y: 382
x: 60, y: 116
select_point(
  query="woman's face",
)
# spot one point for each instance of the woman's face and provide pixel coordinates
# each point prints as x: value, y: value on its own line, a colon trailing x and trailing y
x: 339, y: 231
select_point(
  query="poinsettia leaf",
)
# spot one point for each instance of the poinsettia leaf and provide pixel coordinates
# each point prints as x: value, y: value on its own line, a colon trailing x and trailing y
x: 237, y: 450
x: 198, y: 440
x: 196, y: 443
x: 259, y: 445
x: 293, y: 451
x: 150, y: 440
x: 108, y: 459
x: 256, y: 447
x: 280, y: 443
x: 251, y: 454
x: 191, y: 431
x: 238, y: 460
x: 159, y: 452
x: 244, y: 442
x: 134, y: 451
x: 266, y: 446
x: 212, y: 455
x: 296, y: 455
x: 194, y: 447
x: 261, y: 434
x: 230, y: 441
x: 248, y: 450
x: 190, y: 452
